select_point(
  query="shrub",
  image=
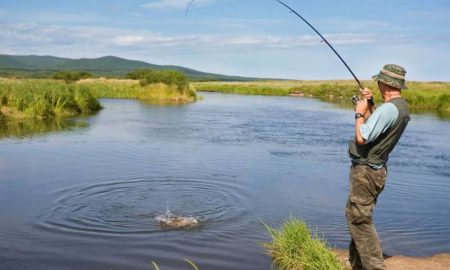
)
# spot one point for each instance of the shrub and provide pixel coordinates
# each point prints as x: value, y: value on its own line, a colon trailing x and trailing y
x: 71, y: 76
x: 169, y: 77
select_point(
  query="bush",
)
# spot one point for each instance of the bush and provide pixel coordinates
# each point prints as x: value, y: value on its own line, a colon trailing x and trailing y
x: 444, y: 102
x: 71, y: 76
x: 2, y: 117
x: 169, y: 77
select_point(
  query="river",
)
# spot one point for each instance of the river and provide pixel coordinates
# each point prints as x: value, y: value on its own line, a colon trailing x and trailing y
x: 85, y: 196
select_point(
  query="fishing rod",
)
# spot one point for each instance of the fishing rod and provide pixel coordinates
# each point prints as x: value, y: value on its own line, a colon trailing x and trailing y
x: 360, y: 85
x: 188, y: 7
x: 186, y: 14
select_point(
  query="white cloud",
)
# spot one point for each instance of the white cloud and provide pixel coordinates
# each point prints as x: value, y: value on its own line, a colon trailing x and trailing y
x: 34, y: 35
x: 173, y: 3
x: 128, y: 40
x: 160, y: 48
x: 351, y: 38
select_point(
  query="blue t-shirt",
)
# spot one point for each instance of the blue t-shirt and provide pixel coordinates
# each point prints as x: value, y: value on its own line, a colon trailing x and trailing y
x: 382, y: 119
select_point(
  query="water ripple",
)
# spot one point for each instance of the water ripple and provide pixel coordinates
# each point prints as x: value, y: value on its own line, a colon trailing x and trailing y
x: 130, y: 206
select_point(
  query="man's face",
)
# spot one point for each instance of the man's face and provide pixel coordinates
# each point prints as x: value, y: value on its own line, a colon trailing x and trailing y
x: 382, y: 88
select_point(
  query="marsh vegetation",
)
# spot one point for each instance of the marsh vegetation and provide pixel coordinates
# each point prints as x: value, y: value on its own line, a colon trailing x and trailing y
x: 145, y: 84
x: 70, y: 93
x: 43, y: 99
x: 421, y: 96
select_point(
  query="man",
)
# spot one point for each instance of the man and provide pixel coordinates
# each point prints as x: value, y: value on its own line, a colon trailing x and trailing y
x: 376, y: 134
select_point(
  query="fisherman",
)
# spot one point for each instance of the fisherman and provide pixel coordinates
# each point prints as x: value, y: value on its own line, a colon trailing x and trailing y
x: 376, y: 134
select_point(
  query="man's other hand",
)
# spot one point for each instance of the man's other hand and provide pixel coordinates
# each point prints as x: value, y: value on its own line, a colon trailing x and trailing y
x: 366, y: 93
x: 362, y: 106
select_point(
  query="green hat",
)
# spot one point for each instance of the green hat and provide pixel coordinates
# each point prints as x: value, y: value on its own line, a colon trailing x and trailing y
x: 392, y: 75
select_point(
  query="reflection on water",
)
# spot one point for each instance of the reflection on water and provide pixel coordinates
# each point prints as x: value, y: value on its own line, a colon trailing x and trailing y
x: 29, y: 128
x: 93, y: 199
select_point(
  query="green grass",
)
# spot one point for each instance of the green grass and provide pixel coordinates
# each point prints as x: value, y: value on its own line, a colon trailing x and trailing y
x: 132, y: 89
x: 168, y: 77
x: 191, y: 263
x: 421, y: 96
x: 43, y: 99
x: 296, y: 247
x: 242, y: 88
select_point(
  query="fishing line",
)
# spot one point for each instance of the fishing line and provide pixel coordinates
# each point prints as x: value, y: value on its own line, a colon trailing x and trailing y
x: 188, y: 7
x: 323, y: 39
x: 186, y: 26
x: 360, y: 85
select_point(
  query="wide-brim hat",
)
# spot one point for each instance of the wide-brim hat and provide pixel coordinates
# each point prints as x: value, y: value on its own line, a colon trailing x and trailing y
x: 392, y: 75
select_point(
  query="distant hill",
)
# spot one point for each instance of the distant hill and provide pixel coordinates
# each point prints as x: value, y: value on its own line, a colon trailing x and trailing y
x: 108, y: 66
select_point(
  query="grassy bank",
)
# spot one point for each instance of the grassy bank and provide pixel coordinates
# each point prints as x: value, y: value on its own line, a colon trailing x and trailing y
x: 422, y: 96
x: 42, y: 99
x: 296, y: 247
x: 133, y: 89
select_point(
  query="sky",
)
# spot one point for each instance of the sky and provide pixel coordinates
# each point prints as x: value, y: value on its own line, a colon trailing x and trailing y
x: 257, y: 38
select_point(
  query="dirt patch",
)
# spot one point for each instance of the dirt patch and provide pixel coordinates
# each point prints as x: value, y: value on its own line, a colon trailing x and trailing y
x: 12, y: 113
x: 436, y: 262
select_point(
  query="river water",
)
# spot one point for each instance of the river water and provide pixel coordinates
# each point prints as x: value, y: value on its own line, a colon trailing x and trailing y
x: 85, y: 195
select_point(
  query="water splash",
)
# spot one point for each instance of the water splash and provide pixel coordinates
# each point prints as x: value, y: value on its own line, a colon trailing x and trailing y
x: 169, y: 220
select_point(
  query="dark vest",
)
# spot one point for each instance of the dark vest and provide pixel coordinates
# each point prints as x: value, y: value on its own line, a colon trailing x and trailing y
x: 377, y: 152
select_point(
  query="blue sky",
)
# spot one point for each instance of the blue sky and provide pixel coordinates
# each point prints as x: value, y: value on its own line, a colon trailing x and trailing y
x: 239, y: 37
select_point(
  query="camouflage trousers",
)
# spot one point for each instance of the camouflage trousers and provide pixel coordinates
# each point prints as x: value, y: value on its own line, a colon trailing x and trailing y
x: 365, y: 186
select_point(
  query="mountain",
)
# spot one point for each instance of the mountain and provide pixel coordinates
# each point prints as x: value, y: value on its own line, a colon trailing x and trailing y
x: 109, y: 66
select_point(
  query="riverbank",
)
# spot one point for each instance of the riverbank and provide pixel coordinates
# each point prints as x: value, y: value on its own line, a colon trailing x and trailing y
x: 421, y: 96
x: 23, y: 99
x: 132, y: 89
x: 296, y: 246
x: 436, y: 262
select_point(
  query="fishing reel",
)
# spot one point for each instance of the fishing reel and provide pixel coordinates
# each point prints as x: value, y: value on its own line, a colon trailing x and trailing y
x: 355, y: 99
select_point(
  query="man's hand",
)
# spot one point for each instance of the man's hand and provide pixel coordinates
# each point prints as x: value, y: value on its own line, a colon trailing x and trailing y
x: 362, y: 106
x: 366, y: 93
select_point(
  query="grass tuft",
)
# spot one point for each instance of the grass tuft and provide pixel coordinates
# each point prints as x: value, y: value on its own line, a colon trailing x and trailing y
x: 191, y: 263
x: 296, y: 247
x: 155, y: 265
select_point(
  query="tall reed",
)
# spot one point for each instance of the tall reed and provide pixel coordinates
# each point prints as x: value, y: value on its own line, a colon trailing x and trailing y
x: 42, y: 99
x: 133, y: 89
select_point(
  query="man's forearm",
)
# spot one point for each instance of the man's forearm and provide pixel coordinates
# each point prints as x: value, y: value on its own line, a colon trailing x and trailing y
x: 358, y: 137
x: 362, y: 108
x: 368, y: 113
